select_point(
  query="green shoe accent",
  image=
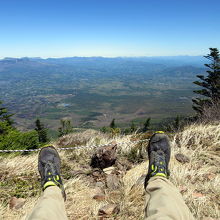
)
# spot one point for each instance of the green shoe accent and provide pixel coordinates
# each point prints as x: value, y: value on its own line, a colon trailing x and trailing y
x: 49, y: 183
x: 161, y: 174
x: 47, y: 145
x: 158, y: 169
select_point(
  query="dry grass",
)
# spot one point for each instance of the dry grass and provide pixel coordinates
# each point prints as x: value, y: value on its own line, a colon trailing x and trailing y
x: 198, y: 180
x: 201, y: 175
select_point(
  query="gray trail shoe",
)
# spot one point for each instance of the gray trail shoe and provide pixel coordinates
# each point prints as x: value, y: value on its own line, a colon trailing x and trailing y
x: 49, y: 168
x: 159, y: 156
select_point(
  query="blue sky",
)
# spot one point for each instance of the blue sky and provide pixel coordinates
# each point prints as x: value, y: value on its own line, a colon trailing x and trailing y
x: 108, y: 27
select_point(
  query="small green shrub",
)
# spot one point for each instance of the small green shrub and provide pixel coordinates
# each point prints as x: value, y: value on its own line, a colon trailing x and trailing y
x: 19, y: 140
x: 135, y: 155
x: 111, y: 131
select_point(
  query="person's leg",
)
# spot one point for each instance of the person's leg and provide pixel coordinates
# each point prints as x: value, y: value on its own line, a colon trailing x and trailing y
x: 163, y: 201
x: 51, y: 204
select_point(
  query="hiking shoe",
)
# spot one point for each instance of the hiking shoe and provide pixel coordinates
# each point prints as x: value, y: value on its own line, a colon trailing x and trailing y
x: 49, y: 168
x: 159, y: 156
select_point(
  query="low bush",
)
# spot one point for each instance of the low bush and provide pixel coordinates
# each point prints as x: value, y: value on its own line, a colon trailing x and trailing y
x: 15, y: 140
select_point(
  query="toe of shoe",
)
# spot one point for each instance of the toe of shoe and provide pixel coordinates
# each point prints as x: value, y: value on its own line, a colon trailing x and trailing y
x: 48, y: 154
x: 159, y: 142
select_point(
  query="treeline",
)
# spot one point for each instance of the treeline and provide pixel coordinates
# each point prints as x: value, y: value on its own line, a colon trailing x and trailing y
x: 169, y: 125
x: 138, y: 128
x: 12, y: 138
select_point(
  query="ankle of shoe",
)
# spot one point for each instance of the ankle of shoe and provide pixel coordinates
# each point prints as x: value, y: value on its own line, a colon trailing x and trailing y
x: 60, y: 185
x: 158, y: 169
x: 160, y: 174
x: 53, y: 181
x: 48, y: 184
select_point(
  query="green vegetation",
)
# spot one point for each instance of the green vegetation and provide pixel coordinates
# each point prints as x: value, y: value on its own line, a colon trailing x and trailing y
x: 11, y: 138
x: 42, y: 131
x: 133, y: 127
x: 19, y: 140
x: 175, y: 124
x: 135, y: 154
x: 66, y: 127
x: 146, y: 125
x: 211, y: 84
x: 112, y: 124
x: 5, y: 117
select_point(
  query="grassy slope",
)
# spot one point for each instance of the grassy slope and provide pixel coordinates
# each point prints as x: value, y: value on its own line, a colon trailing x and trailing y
x: 198, y: 180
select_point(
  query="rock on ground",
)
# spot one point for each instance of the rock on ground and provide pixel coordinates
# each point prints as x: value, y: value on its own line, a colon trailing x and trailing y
x: 104, y: 157
x: 109, y: 209
x: 16, y: 203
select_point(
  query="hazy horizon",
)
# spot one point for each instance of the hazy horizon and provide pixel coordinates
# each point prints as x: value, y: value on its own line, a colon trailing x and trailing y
x: 1, y: 58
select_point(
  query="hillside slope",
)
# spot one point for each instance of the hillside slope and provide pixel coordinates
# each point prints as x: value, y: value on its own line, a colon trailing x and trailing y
x: 197, y: 179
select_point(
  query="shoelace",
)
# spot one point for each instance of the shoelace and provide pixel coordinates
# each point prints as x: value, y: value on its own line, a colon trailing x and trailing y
x: 49, y: 169
x: 159, y: 164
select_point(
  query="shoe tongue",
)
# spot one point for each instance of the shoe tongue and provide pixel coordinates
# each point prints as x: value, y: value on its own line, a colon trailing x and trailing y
x: 160, y: 159
x: 49, y: 167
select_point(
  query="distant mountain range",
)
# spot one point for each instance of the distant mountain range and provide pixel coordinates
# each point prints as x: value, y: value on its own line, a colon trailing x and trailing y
x: 167, y: 60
